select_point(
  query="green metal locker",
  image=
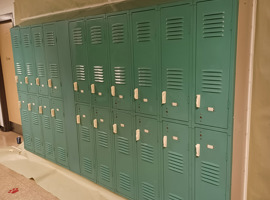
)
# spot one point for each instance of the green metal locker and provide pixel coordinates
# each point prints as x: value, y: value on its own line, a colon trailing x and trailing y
x: 213, y: 62
x: 148, y: 158
x: 98, y: 61
x: 124, y: 153
x: 176, y: 51
x: 104, y: 147
x: 121, y: 62
x: 86, y: 141
x: 176, y: 161
x: 51, y: 51
x: 40, y: 59
x: 144, y: 30
x: 210, y: 165
x: 47, y: 127
x: 18, y: 59
x: 80, y: 68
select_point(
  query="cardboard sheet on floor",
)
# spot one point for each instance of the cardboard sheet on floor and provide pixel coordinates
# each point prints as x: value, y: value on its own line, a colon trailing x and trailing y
x: 57, y: 180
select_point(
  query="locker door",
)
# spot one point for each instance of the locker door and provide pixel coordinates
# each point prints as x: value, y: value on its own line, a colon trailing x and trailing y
x: 124, y: 147
x: 38, y: 45
x: 54, y: 80
x: 175, y: 151
x: 213, y: 62
x: 148, y: 158
x: 210, y: 169
x: 18, y: 59
x: 86, y: 141
x: 120, y: 58
x: 29, y: 60
x: 47, y: 127
x: 80, y: 69
x: 36, y: 125
x: 104, y: 147
x: 176, y: 50
x: 57, y: 114
x: 97, y: 54
x: 26, y: 124
x: 144, y: 30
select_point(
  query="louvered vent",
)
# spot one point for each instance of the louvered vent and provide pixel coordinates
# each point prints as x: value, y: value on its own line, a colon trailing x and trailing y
x: 175, y: 79
x: 105, y: 173
x: 61, y: 154
x: 147, y: 153
x: 49, y: 149
x: 87, y: 165
x: 120, y: 75
x: 27, y: 140
x: 50, y: 37
x: 19, y: 69
x: 37, y: 144
x: 77, y: 36
x: 125, y: 182
x: 145, y: 77
x: 37, y: 39
x: 174, y: 197
x: 176, y: 162
x: 85, y: 134
x: 99, y: 74
x: 26, y: 40
x: 47, y: 122
x: 29, y: 69
x: 148, y: 191
x: 175, y: 28
x: 210, y: 173
x: 213, y: 25
x: 41, y: 70
x: 59, y: 127
x: 80, y: 72
x: 143, y: 31
x: 35, y: 119
x: 54, y: 70
x: 25, y: 116
x: 16, y: 42
x: 96, y: 35
x: 212, y: 81
x: 123, y: 145
x: 118, y: 33
x: 103, y: 139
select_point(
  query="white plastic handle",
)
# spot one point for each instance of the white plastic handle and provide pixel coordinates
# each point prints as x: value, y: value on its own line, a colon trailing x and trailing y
x: 93, y: 90
x: 78, y: 119
x: 40, y: 109
x: 198, y: 101
x: 95, y: 123
x: 50, y: 83
x: 37, y: 81
x: 114, y: 128
x: 16, y: 79
x: 165, y: 141
x: 29, y: 107
x: 26, y: 80
x: 164, y: 93
x: 52, y: 112
x: 136, y: 93
x: 138, y: 135
x: 198, y: 150
x: 113, y: 91
x: 75, y: 86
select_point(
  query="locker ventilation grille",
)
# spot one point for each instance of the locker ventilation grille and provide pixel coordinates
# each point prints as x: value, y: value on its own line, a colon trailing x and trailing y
x: 29, y: 69
x: 103, y: 139
x: 85, y: 134
x: 176, y: 162
x: 50, y: 38
x: 27, y: 140
x: 145, y: 77
x: 87, y: 165
x: 37, y: 144
x: 118, y: 33
x: 175, y: 79
x: 77, y: 36
x: 26, y: 40
x: 41, y: 70
x: 99, y: 74
x: 49, y: 149
x: 96, y: 35
x: 210, y: 173
x: 212, y: 81
x: 143, y: 32
x: 174, y: 197
x: 35, y: 119
x: 125, y: 182
x: 120, y: 75
x: 148, y: 191
x: 147, y: 153
x: 123, y: 145
x: 175, y: 28
x: 16, y: 43
x: 25, y: 116
x: 37, y: 39
x: 80, y: 72
x: 54, y: 70
x: 213, y: 25
x: 47, y: 123
x: 19, y: 69
x: 61, y: 154
x: 59, y: 126
x: 105, y: 173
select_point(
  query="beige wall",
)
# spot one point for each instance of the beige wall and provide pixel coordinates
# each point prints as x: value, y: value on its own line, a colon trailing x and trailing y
x: 9, y: 73
x: 6, y: 6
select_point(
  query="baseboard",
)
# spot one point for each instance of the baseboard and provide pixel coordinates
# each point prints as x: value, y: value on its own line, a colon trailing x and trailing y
x: 17, y: 128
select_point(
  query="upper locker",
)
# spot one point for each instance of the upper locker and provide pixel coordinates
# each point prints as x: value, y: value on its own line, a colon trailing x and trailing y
x: 175, y: 51
x: 144, y: 29
x: 120, y: 59
x: 80, y: 69
x: 18, y: 59
x: 98, y: 61
x: 213, y: 63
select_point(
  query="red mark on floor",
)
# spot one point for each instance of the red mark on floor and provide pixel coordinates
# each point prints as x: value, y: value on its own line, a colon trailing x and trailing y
x: 14, y: 190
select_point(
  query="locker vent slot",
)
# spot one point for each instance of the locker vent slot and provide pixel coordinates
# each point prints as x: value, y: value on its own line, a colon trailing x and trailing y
x: 175, y: 28
x: 143, y: 31
x: 123, y: 145
x: 19, y: 69
x: 103, y: 139
x: 49, y: 149
x: 47, y: 123
x: 77, y: 36
x: 35, y: 119
x: 145, y: 77
x: 125, y: 182
x: 50, y: 38
x: 105, y: 173
x: 37, y: 40
x: 85, y: 134
x: 29, y: 69
x: 87, y: 165
x: 27, y: 140
x: 80, y: 72
x: 210, y: 173
x: 147, y: 153
x: 174, y: 197
x: 176, y: 162
x: 16, y: 43
x: 54, y: 70
x: 26, y: 40
x: 212, y: 81
x: 61, y: 154
x: 96, y: 35
x: 25, y: 116
x: 118, y: 33
x: 213, y: 25
x: 37, y: 144
x: 148, y: 191
x: 59, y: 126
x: 120, y: 75
x: 99, y: 74
x: 175, y: 80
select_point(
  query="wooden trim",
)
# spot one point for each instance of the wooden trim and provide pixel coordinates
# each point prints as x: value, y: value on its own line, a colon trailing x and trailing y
x: 17, y: 128
x: 7, y: 18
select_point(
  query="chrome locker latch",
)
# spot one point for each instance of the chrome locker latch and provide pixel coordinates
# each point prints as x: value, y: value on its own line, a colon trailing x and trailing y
x: 37, y: 81
x: 113, y: 91
x: 165, y: 141
x: 50, y: 83
x: 198, y: 101
x: 75, y: 86
x: 19, y: 104
x: 114, y: 128
x: 138, y: 135
x: 40, y: 109
x: 136, y: 93
x: 52, y: 112
x: 198, y: 150
x: 95, y: 123
x: 26, y: 80
x: 29, y: 106
x: 93, y: 90
x: 78, y: 119
x: 16, y: 79
x: 164, y: 93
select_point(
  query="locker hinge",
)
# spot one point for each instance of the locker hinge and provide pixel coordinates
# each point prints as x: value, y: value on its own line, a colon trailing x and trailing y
x: 114, y: 128
x: 138, y: 135
x: 113, y: 91
x: 165, y: 141
x: 198, y: 150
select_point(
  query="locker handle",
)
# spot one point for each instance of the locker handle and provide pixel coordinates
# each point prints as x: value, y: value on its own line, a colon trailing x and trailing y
x: 198, y: 150
x: 50, y: 83
x: 136, y: 93
x: 113, y: 91
x: 138, y: 135
x: 52, y: 112
x: 114, y: 128
x: 37, y: 81
x: 16, y: 79
x: 198, y: 101
x: 78, y: 119
x: 20, y: 104
x: 164, y: 93
x: 29, y: 106
x: 93, y: 90
x: 95, y: 123
x: 75, y: 86
x: 165, y: 141
x: 40, y: 109
x: 26, y: 80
